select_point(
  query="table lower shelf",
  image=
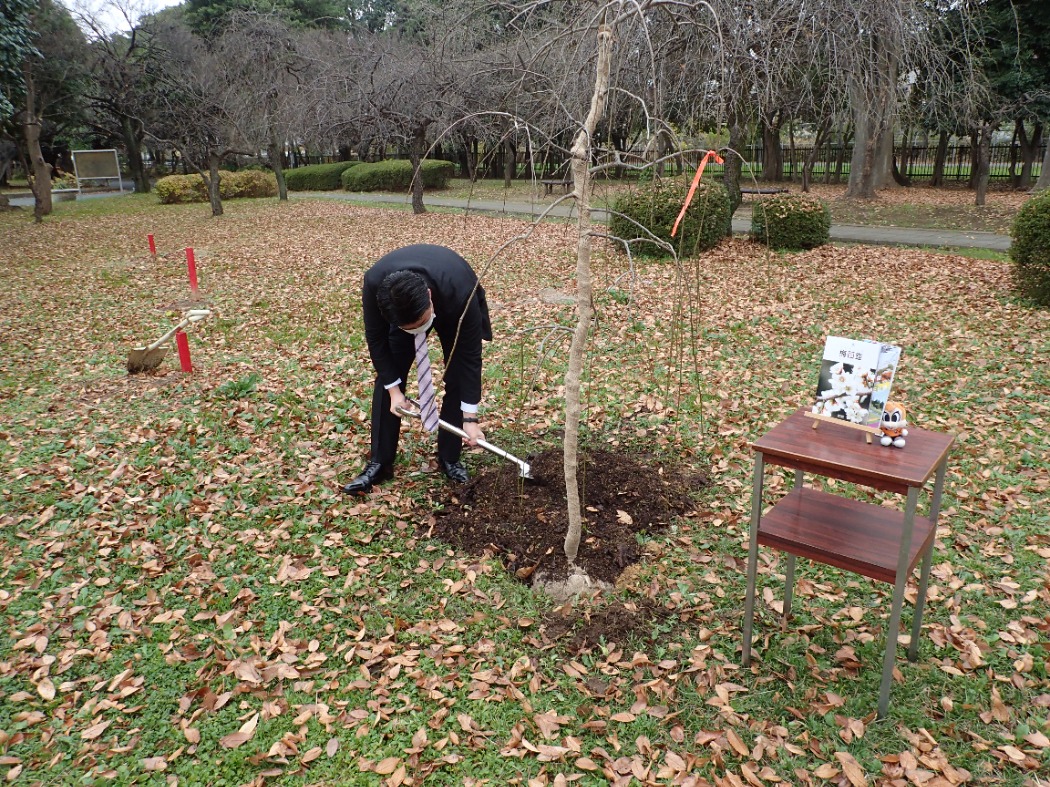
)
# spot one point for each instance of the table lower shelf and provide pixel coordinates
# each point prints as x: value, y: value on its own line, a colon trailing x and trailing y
x: 844, y: 533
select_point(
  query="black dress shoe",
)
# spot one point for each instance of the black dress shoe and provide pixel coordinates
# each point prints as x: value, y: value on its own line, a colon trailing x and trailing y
x: 454, y: 471
x: 374, y: 473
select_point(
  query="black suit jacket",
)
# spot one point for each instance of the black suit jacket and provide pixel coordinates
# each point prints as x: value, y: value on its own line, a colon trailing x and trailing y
x: 455, y: 291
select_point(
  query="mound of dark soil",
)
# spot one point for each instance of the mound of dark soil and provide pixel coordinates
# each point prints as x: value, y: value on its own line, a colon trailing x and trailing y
x: 524, y: 523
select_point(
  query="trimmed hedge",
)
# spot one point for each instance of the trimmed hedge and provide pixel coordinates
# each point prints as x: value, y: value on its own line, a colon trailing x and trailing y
x: 791, y: 222
x: 248, y: 183
x: 396, y: 175
x: 175, y: 189
x: 317, y: 177
x: 1030, y: 249
x: 656, y: 205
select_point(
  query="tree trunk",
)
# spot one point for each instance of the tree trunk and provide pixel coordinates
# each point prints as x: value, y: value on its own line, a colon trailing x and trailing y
x: 772, y: 152
x: 983, y: 162
x: 415, y: 155
x: 840, y: 156
x: 132, y: 131
x: 939, y: 159
x: 819, y: 139
x: 1012, y: 171
x: 214, y: 159
x: 581, y: 160
x: 975, y: 157
x: 862, y: 164
x: 1029, y: 150
x: 873, y: 111
x: 510, y: 161
x: 906, y: 153
x: 734, y: 164
x: 41, y: 170
x: 273, y: 153
x: 1044, y: 173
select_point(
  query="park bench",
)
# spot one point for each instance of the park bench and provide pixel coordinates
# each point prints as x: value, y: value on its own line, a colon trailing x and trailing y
x: 549, y: 185
x: 764, y: 191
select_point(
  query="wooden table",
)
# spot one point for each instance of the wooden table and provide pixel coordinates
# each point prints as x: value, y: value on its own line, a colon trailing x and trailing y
x: 874, y: 541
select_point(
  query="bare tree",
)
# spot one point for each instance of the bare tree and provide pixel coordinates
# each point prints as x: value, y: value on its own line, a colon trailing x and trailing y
x: 875, y: 52
x: 583, y: 43
x: 264, y: 61
x: 206, y: 109
x: 123, y: 66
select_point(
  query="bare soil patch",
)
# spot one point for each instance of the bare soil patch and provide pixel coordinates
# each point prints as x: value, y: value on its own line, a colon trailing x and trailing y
x: 524, y: 524
x: 578, y: 630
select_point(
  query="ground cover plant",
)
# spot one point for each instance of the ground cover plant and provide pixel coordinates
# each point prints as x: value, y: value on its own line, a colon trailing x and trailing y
x: 185, y: 595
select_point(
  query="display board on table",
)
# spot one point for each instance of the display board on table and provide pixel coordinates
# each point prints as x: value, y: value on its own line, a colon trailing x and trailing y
x: 855, y: 380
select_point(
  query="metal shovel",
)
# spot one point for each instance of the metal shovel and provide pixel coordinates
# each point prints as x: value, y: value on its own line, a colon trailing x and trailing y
x: 144, y: 359
x: 523, y: 466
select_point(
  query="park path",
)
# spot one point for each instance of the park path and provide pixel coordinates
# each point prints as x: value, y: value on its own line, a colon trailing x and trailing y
x: 840, y: 233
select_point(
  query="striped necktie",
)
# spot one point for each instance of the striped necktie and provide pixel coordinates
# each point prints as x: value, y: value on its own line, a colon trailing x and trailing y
x: 427, y: 395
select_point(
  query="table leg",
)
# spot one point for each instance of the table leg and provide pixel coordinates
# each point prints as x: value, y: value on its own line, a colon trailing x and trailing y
x: 893, y: 629
x: 927, y: 559
x: 789, y: 590
x: 789, y: 574
x: 752, y: 557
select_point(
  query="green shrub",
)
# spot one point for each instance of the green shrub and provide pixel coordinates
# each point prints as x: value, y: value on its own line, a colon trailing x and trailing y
x: 66, y: 181
x: 1030, y: 249
x: 396, y: 175
x: 791, y: 221
x: 247, y: 183
x: 344, y: 176
x: 656, y: 204
x: 175, y: 189
x: 316, y: 177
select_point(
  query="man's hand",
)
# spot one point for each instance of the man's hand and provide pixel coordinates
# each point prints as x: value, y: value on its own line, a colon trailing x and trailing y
x: 397, y: 400
x: 474, y: 433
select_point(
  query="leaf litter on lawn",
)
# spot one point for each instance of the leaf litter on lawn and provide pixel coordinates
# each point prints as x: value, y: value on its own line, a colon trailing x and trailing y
x: 169, y: 543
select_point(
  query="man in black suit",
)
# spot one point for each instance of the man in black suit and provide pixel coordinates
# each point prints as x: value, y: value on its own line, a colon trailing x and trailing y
x: 418, y: 289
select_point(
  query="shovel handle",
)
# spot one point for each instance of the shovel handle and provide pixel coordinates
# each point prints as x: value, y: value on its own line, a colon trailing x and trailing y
x: 192, y: 316
x: 523, y: 465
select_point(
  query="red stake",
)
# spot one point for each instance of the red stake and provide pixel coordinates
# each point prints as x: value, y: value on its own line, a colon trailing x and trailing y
x: 184, y: 351
x: 191, y: 265
x: 152, y: 246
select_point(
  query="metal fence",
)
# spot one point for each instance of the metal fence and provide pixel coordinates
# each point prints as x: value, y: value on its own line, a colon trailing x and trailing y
x: 832, y: 163
x: 916, y: 162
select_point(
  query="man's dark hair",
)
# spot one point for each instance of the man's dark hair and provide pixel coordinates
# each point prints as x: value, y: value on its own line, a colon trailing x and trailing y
x: 403, y: 296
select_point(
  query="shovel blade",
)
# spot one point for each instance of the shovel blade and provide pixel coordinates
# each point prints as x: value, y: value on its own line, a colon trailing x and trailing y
x: 142, y: 359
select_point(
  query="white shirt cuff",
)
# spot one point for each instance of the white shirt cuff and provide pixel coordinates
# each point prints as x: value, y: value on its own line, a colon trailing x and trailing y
x: 396, y: 382
x: 468, y: 408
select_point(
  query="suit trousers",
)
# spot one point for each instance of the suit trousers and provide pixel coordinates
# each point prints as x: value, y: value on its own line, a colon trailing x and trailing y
x: 386, y: 427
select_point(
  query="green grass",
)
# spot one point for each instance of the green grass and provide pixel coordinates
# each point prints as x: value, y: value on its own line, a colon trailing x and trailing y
x: 165, y: 538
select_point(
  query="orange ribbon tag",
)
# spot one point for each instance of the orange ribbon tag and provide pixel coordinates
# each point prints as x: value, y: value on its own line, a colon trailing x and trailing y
x: 696, y: 181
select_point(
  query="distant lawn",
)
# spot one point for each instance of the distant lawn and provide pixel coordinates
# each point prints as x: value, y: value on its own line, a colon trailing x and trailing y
x: 948, y: 208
